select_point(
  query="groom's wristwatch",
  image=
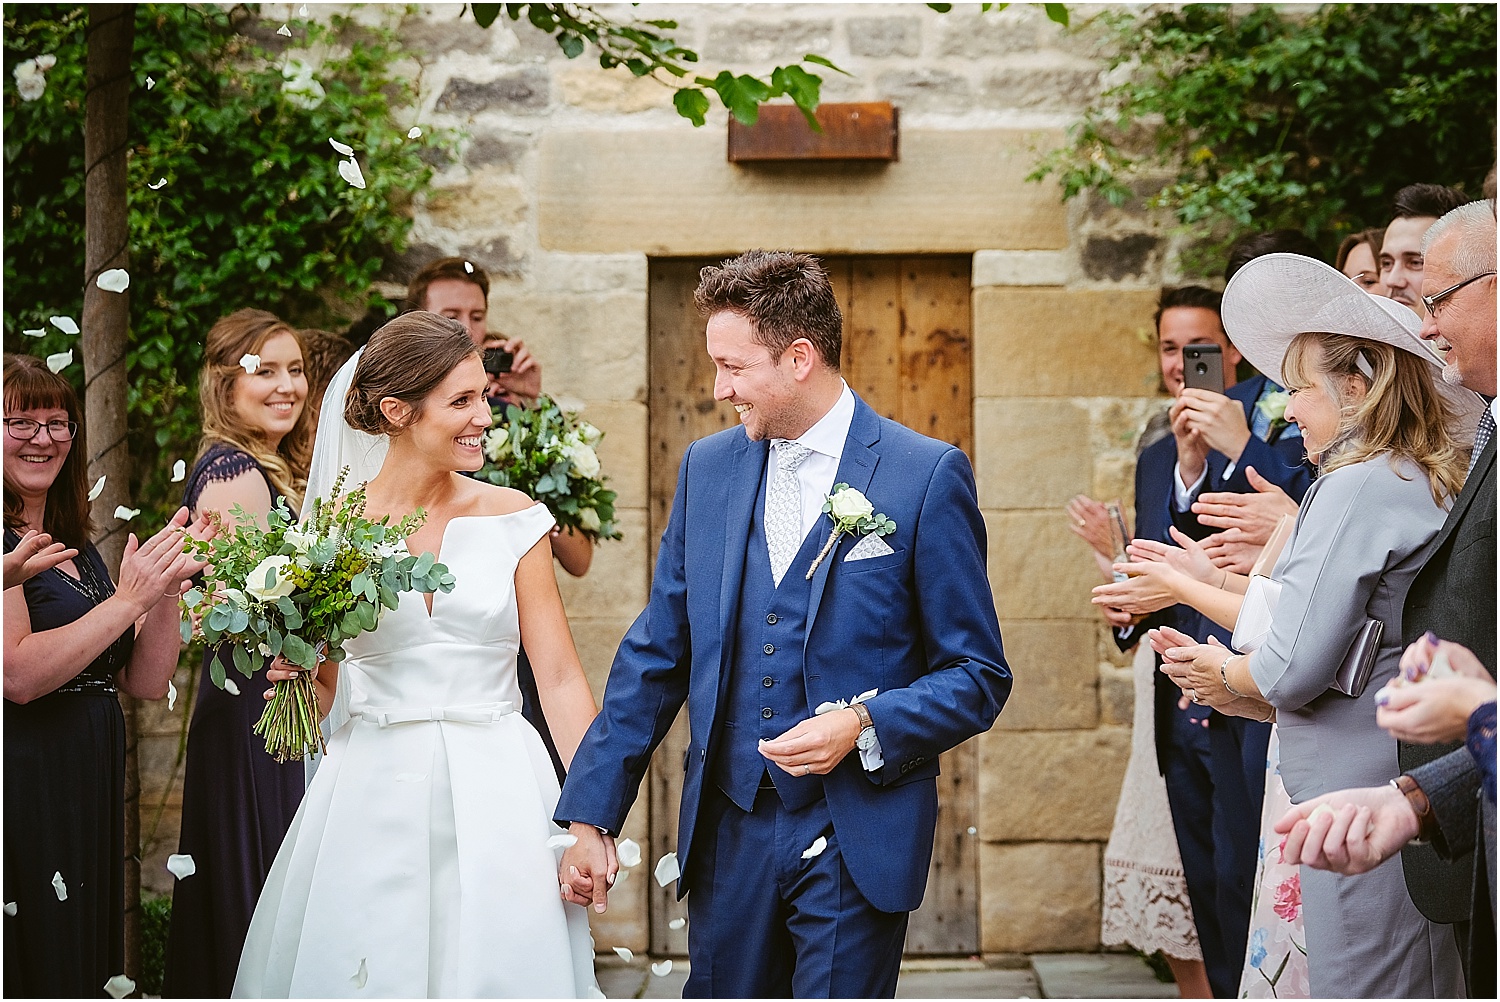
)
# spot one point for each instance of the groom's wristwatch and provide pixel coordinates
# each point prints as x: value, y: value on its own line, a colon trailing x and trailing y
x: 866, y: 727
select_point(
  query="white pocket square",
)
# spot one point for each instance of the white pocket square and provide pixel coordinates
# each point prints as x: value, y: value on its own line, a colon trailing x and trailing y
x: 871, y: 546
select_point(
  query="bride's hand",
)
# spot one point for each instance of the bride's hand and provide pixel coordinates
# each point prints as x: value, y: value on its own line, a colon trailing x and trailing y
x: 282, y: 670
x: 587, y: 868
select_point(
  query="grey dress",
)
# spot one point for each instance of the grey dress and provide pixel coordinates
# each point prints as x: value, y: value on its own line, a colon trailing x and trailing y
x: 1362, y: 534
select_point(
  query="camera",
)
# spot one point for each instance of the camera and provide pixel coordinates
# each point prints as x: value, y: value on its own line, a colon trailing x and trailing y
x: 497, y: 361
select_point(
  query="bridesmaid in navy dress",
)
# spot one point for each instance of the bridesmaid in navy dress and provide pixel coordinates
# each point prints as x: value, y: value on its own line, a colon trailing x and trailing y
x: 73, y: 639
x: 237, y: 801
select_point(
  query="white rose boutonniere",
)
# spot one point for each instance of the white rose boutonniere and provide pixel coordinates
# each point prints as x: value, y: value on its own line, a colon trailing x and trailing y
x: 851, y: 512
x: 1273, y: 407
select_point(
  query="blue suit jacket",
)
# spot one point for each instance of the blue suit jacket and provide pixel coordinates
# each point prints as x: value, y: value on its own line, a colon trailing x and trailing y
x: 918, y: 624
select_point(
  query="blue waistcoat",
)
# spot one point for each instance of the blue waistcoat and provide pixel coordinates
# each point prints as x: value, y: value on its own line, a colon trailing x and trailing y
x: 766, y: 693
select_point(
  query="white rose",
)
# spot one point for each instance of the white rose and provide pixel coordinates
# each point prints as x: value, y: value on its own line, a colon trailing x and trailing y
x: 589, y: 519
x: 585, y: 462
x: 496, y: 444
x: 30, y: 82
x: 270, y: 580
x: 300, y: 86
x: 300, y: 539
x: 850, y: 503
x: 591, y: 435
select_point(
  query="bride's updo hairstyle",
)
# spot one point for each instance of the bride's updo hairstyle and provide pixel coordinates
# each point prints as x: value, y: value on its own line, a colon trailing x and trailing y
x: 406, y: 359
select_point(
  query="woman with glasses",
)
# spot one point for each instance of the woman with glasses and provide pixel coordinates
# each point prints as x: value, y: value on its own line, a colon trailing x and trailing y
x: 237, y: 801
x: 73, y: 639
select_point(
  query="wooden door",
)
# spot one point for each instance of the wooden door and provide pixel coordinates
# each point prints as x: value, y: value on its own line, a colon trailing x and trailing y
x: 907, y: 350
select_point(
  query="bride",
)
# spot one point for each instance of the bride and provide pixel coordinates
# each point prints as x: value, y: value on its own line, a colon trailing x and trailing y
x: 423, y: 860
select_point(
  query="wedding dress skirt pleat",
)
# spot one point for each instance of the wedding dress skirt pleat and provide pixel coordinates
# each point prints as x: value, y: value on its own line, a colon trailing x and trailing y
x: 418, y: 865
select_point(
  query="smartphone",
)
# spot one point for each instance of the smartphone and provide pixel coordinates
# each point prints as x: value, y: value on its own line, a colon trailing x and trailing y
x: 497, y: 361
x: 1203, y: 367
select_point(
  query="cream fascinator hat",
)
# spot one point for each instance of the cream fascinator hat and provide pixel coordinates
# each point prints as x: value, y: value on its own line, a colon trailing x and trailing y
x: 1274, y: 298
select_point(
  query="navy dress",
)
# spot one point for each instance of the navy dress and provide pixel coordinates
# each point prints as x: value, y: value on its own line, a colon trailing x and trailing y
x: 65, y: 806
x: 237, y: 803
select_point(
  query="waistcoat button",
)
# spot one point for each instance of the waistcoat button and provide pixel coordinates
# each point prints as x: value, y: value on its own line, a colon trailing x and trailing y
x: 766, y: 713
x: 768, y: 681
x: 769, y: 648
x: 771, y: 618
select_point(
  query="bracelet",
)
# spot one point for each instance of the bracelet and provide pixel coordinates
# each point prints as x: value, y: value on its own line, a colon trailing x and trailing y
x: 1224, y: 581
x: 1420, y: 806
x: 1224, y: 675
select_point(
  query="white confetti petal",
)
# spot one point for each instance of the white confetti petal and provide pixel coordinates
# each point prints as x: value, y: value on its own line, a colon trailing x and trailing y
x: 563, y: 841
x: 113, y: 280
x: 628, y: 852
x: 180, y: 865
x: 64, y: 324
x: 361, y: 976
x: 249, y: 362
x: 676, y: 923
x: 816, y: 849
x: 662, y: 968
x: 468, y: 268
x: 302, y: 11
x: 45, y: 63
x: 35, y: 332
x: 284, y: 31
x: 230, y: 687
x: 625, y: 953
x: 667, y: 870
x: 620, y: 877
x: 150, y: 82
x: 60, y: 361
x: 119, y: 987
x: 346, y: 150
x: 349, y: 171
x: 410, y: 777
x: 973, y: 830
x: 60, y: 886
x: 10, y: 908
x: 97, y: 489
x: 179, y: 471
x: 125, y: 514
x: 160, y: 184
x: 171, y: 696
x: 414, y: 133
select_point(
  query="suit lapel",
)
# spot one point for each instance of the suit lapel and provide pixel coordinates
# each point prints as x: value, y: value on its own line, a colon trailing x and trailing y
x: 742, y: 486
x: 856, y: 468
x: 1472, y: 486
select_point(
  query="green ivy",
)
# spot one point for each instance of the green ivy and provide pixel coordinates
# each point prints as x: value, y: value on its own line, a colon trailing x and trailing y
x: 253, y: 212
x: 1268, y: 117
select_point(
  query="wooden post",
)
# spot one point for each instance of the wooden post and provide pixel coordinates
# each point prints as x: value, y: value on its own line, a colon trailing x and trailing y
x: 105, y: 330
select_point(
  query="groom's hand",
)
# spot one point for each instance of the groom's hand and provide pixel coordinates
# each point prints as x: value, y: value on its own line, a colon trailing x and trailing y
x: 816, y: 745
x: 588, y: 867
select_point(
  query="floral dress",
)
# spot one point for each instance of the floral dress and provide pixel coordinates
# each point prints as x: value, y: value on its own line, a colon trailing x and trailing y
x: 1276, y: 957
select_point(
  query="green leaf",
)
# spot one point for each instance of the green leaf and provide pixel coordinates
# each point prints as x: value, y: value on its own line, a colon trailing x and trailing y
x: 242, y: 662
x: 812, y: 57
x: 742, y: 95
x: 1057, y: 12
x: 941, y: 8
x: 571, y: 45
x: 424, y: 564
x: 192, y: 597
x: 485, y: 13
x: 216, y: 670
x: 691, y: 104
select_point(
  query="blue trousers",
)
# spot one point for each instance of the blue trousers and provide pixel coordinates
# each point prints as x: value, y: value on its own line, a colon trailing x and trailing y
x: 766, y: 923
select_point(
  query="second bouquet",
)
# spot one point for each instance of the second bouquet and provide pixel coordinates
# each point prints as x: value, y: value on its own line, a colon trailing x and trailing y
x: 301, y: 591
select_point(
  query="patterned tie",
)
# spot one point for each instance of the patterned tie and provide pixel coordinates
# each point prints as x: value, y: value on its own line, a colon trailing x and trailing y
x: 1482, y: 436
x: 784, y: 508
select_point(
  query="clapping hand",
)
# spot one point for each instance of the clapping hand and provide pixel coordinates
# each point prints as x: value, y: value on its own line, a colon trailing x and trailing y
x: 1245, y: 521
x: 588, y: 867
x: 1434, y: 709
x: 1151, y: 586
x: 1089, y: 520
x: 158, y: 568
x: 36, y: 552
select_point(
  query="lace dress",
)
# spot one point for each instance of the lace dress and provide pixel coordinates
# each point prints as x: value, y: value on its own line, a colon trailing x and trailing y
x: 65, y: 806
x: 1145, y: 893
x: 237, y: 803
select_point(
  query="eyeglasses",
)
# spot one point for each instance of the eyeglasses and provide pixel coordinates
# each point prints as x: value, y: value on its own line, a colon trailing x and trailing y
x: 1431, y: 302
x: 26, y: 429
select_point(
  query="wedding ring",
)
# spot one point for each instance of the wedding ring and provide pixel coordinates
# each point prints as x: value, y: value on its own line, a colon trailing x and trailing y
x: 806, y: 769
x: 1193, y: 695
x: 1081, y: 523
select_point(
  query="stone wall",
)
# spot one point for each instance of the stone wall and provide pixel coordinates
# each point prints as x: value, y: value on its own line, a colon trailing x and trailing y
x: 567, y: 178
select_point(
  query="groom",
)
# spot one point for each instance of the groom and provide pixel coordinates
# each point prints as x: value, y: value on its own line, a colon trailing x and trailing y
x: 807, y: 817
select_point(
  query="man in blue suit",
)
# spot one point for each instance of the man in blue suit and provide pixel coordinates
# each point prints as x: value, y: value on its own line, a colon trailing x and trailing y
x: 1214, y: 766
x: 823, y: 676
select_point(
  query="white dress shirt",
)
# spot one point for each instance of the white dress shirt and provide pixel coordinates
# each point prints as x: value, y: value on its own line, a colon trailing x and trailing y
x: 817, y: 472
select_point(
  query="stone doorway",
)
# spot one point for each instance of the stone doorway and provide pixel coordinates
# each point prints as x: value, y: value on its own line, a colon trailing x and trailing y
x: 907, y: 352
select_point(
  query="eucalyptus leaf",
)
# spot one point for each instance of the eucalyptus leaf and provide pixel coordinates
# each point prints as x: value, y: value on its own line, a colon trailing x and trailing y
x: 242, y: 662
x: 216, y: 670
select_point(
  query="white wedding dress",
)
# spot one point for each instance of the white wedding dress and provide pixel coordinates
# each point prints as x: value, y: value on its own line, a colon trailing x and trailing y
x: 418, y: 865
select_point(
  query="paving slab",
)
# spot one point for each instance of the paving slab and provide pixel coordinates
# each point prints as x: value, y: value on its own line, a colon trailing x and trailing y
x: 985, y: 983
x: 1097, y: 976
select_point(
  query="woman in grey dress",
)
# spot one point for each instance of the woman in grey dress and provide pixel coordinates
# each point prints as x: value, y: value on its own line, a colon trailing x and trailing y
x: 1378, y: 422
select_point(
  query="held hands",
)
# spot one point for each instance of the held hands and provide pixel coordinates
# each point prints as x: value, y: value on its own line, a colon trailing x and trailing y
x: 1193, y: 666
x: 1434, y: 709
x: 1349, y: 831
x: 816, y: 745
x: 588, y: 867
x: 525, y: 376
x: 1217, y: 419
x: 157, y: 568
x: 36, y: 552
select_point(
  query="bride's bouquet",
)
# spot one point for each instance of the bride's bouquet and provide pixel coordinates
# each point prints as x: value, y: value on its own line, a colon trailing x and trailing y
x: 300, y: 591
x: 548, y: 453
